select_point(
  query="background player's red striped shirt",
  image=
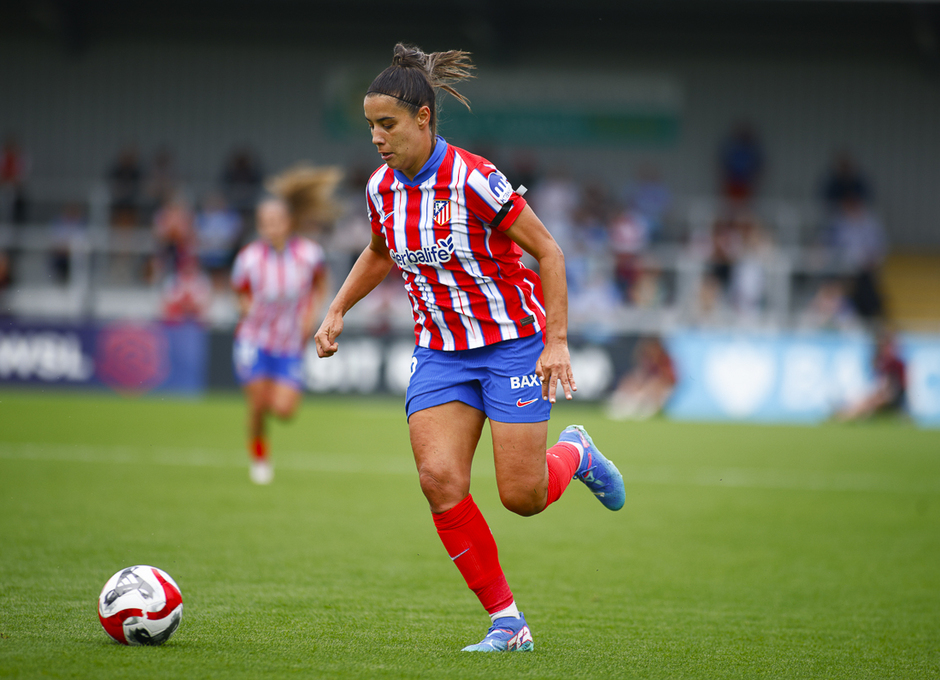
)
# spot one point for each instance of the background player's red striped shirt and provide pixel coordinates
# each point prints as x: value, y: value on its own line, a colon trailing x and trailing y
x: 467, y: 285
x: 280, y: 285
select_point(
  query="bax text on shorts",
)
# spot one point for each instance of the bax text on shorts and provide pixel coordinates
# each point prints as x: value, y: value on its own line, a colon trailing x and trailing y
x: 518, y: 382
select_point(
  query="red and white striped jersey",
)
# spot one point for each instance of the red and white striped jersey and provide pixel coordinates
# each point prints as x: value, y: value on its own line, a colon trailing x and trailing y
x: 280, y: 284
x: 445, y: 231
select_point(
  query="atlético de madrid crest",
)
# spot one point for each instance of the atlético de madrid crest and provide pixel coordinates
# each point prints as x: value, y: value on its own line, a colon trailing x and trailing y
x: 441, y: 212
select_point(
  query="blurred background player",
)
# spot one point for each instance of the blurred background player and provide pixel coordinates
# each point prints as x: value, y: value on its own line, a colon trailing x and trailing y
x: 645, y: 389
x: 491, y: 334
x: 281, y: 281
x: 890, y: 388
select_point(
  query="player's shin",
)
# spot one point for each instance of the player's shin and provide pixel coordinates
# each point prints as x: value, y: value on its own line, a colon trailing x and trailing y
x: 563, y: 460
x: 470, y: 544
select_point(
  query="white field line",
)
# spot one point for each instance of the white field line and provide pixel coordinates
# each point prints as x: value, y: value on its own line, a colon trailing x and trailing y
x: 196, y: 457
x: 744, y: 478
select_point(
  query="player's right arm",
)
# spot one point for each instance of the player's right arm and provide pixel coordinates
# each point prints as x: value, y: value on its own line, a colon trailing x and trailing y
x: 369, y: 271
x: 244, y: 303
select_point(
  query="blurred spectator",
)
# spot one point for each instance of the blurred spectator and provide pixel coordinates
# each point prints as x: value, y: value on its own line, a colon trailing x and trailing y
x: 187, y: 293
x: 66, y: 232
x: 890, y: 388
x: 747, y: 286
x: 592, y: 218
x: 161, y: 181
x: 629, y: 238
x: 830, y: 308
x: 741, y: 164
x: 555, y: 198
x: 218, y: 232
x: 845, y: 182
x: 589, y: 243
x: 241, y: 179
x: 14, y: 168
x: 175, y: 237
x: 353, y: 231
x: 644, y: 391
x: 6, y: 271
x: 523, y: 170
x: 124, y: 181
x: 649, y: 290
x: 711, y: 308
x: 387, y: 303
x: 593, y: 302
x: 858, y: 240
x: 724, y: 249
x: 650, y: 196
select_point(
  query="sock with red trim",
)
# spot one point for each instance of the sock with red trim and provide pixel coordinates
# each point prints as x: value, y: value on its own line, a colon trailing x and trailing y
x: 470, y: 544
x: 563, y: 460
x: 258, y: 448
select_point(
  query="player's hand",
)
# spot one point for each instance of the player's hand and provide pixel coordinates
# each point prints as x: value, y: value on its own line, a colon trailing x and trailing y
x: 554, y: 366
x: 325, y: 338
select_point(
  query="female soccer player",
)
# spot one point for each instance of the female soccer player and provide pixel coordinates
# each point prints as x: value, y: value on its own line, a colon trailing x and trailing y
x: 281, y: 281
x: 491, y: 336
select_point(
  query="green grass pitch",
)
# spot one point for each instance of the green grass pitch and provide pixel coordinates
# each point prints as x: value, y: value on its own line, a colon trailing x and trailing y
x: 742, y: 551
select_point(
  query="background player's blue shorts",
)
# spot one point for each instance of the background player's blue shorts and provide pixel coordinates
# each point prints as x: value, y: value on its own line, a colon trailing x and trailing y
x: 254, y: 363
x: 498, y: 379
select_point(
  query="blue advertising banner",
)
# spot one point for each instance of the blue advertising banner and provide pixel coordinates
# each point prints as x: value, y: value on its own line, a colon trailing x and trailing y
x: 792, y: 377
x: 126, y: 357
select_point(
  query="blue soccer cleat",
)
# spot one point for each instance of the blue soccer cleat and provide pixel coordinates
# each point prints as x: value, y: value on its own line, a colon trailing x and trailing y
x: 507, y: 634
x: 600, y: 475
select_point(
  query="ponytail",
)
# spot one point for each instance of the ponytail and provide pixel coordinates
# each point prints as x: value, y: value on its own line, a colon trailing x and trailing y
x: 414, y: 77
x: 308, y: 192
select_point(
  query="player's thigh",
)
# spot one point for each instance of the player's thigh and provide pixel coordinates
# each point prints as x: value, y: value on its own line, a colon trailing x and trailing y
x: 444, y: 439
x: 284, y: 398
x: 519, y: 457
x: 258, y: 392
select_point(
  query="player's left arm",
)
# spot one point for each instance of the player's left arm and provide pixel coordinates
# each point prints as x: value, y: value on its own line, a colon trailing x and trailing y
x: 554, y: 365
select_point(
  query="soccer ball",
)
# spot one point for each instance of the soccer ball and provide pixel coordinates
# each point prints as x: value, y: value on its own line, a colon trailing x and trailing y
x: 140, y: 606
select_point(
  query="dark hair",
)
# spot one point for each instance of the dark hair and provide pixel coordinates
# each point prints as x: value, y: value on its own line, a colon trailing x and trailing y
x: 414, y: 76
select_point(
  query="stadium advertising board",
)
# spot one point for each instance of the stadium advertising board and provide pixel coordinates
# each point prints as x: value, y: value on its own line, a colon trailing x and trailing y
x: 367, y: 364
x: 126, y: 357
x: 792, y: 378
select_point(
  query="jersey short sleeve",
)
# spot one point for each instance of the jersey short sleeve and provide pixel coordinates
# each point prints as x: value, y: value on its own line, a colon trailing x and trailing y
x: 491, y: 197
x: 375, y: 215
x: 241, y: 281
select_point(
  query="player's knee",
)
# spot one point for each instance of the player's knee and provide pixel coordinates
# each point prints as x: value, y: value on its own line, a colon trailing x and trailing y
x: 523, y: 502
x: 283, y: 411
x: 440, y: 489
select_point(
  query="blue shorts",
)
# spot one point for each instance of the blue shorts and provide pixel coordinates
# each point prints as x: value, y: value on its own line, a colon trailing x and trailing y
x: 498, y: 379
x: 253, y: 363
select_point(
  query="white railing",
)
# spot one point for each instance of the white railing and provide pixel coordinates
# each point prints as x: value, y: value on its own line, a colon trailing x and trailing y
x: 105, y: 281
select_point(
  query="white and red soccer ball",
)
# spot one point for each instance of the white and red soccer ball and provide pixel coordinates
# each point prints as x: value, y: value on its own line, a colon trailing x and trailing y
x: 140, y: 606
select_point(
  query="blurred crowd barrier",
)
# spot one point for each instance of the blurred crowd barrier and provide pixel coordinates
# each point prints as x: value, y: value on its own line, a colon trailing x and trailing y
x: 639, y: 259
